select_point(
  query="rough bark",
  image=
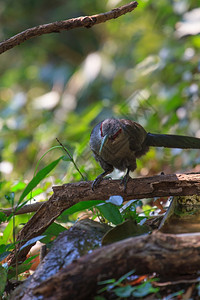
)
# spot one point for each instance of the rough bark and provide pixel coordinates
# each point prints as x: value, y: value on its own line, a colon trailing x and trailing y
x: 164, y: 254
x: 69, y: 194
x: 87, y: 21
x: 70, y: 245
x: 193, y: 178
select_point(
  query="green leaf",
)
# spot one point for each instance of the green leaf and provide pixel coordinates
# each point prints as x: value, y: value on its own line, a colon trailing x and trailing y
x: 108, y: 281
x: 18, y: 187
x: 111, y: 213
x: 53, y: 230
x: 52, y: 148
x: 38, y: 177
x: 124, y: 230
x: 3, y: 217
x: 144, y: 289
x: 32, y: 241
x: 4, y: 247
x: 10, y: 197
x: 81, y: 206
x: 123, y: 277
x: 175, y: 294
x: 34, y: 193
x: 5, y: 250
x: 4, y: 255
x: 124, y: 291
x: 3, y: 275
x: 111, y: 283
x: 8, y: 231
x: 25, y: 266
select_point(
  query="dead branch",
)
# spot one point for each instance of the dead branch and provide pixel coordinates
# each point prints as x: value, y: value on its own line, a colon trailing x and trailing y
x: 87, y: 21
x: 145, y: 254
x: 69, y: 194
x: 25, y: 209
x: 74, y: 186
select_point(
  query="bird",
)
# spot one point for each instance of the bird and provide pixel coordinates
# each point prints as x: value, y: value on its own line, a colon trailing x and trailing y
x: 117, y: 143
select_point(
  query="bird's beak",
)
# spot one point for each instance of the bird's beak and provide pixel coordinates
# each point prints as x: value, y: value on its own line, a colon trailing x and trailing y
x: 104, y: 139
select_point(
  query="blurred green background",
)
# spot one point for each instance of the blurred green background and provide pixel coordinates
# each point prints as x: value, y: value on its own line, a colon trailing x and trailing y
x: 144, y: 66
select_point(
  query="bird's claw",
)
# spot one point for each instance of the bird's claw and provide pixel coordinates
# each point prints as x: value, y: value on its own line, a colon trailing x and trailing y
x: 124, y: 182
x: 96, y: 182
x: 100, y: 178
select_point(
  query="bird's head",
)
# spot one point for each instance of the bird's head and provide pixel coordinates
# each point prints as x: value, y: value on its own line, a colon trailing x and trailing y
x: 110, y: 130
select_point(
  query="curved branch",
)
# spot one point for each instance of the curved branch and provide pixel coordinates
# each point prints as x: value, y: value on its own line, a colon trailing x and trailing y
x: 155, y: 186
x: 87, y: 21
x: 24, y: 210
x: 69, y: 194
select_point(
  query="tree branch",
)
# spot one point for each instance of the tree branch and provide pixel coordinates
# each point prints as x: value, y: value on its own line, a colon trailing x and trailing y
x: 25, y: 209
x: 155, y: 186
x: 69, y: 194
x: 87, y: 21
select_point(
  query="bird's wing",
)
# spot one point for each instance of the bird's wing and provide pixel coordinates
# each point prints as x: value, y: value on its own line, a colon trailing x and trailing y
x: 172, y: 141
x: 135, y: 132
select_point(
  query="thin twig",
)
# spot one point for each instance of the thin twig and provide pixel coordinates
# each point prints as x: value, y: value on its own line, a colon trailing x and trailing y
x: 71, y: 158
x: 87, y: 21
x: 166, y: 283
x: 25, y: 209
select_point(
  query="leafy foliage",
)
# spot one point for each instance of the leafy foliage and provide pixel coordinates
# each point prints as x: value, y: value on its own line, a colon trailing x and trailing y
x: 110, y: 212
x: 126, y: 290
x: 3, y: 274
x: 140, y: 66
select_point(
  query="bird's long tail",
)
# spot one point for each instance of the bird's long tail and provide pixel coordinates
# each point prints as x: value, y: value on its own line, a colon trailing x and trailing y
x: 172, y: 141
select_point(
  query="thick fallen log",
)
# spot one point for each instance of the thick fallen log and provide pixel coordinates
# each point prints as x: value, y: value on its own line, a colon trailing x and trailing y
x: 83, y: 236
x: 69, y: 194
x: 165, y: 254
